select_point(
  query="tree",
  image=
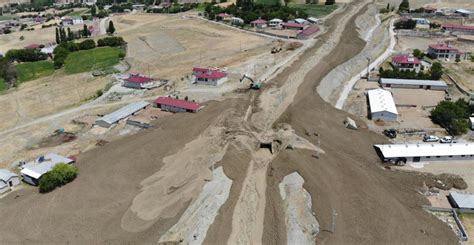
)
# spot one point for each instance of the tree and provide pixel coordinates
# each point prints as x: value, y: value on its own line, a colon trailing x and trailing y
x: 58, y: 40
x: 85, y: 31
x: 404, y: 6
x: 93, y: 11
x: 286, y: 2
x: 70, y: 36
x: 111, y: 28
x: 417, y: 53
x: 436, y: 71
x: 60, y: 175
x: 388, y: 6
x: 330, y: 2
x: 452, y: 116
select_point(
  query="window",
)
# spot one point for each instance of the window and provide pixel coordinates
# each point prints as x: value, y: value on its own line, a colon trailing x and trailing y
x: 450, y: 156
x: 463, y: 155
x: 428, y: 157
x: 438, y: 157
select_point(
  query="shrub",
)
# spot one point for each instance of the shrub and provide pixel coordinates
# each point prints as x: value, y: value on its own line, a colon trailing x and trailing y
x: 25, y: 55
x: 111, y: 42
x: 60, y: 55
x: 87, y: 44
x: 60, y: 175
x: 452, y: 116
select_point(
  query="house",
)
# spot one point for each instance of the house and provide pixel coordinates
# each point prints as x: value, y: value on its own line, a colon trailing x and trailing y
x: 73, y: 20
x: 236, y: 21
x: 421, y: 21
x: 275, y: 22
x: 139, y: 82
x: 33, y: 46
x: 224, y: 17
x: 464, y: 201
x: 124, y: 112
x: 413, y: 84
x: 445, y: 51
x: 425, y: 152
x: 33, y: 171
x: 301, y: 21
x: 382, y: 105
x: 292, y: 26
x: 8, y: 180
x: 406, y: 63
x: 259, y: 23
x: 308, y: 32
x: 177, y: 105
x: 208, y: 76
x: 463, y: 29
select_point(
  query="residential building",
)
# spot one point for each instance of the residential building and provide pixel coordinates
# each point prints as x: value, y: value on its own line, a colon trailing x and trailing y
x: 413, y: 84
x: 301, y: 21
x: 236, y: 21
x: 259, y: 23
x: 212, y: 77
x: 124, y: 112
x: 465, y: 13
x: 224, y: 17
x: 445, y: 51
x: 308, y: 32
x: 382, y: 105
x: 314, y: 20
x: 292, y: 26
x: 177, y: 105
x: 8, y: 180
x: 139, y: 82
x: 425, y: 152
x: 275, y: 22
x: 33, y: 171
x: 463, y: 29
x: 406, y: 63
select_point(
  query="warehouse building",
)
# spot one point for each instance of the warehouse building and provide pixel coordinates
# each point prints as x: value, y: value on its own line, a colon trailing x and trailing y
x: 33, y: 171
x: 414, y: 84
x: 382, y: 106
x: 426, y: 152
x: 8, y: 180
x: 177, y: 105
x: 124, y: 112
x: 464, y: 201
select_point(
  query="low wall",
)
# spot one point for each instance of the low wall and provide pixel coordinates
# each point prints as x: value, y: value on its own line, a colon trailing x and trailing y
x: 415, y: 33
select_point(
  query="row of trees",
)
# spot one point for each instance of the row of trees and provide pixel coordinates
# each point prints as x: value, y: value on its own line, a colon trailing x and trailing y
x: 453, y: 116
x: 434, y: 73
x: 66, y: 35
x: 25, y: 55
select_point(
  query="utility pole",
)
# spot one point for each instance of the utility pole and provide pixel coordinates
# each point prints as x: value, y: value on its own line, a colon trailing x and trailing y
x: 368, y: 68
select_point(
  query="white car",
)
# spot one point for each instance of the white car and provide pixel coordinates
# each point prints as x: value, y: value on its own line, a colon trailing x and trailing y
x: 447, y: 139
x: 430, y: 138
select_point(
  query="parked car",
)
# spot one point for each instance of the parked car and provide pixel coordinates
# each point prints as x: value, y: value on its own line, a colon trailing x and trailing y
x: 447, y: 139
x: 391, y: 133
x: 430, y: 138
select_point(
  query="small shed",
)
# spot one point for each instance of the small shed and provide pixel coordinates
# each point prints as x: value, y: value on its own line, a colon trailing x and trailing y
x: 259, y: 23
x: 275, y: 22
x: 8, y: 180
x: 461, y: 200
x: 124, y: 112
x: 33, y: 171
x: 293, y: 26
x: 382, y: 105
x: 301, y: 21
x: 314, y: 20
x: 414, y: 84
x: 177, y: 105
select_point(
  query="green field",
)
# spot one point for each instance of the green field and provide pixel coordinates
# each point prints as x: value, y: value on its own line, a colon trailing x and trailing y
x: 315, y: 10
x: 78, y: 12
x: 3, y: 85
x: 92, y: 59
x: 34, y: 70
x: 269, y: 2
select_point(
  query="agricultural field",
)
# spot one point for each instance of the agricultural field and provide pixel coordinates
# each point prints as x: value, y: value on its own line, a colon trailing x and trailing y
x: 315, y: 10
x: 92, y: 59
x: 34, y: 70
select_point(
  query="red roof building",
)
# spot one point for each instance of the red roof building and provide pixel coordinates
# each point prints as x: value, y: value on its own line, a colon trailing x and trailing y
x: 406, y: 63
x: 177, y: 105
x: 138, y: 81
x: 33, y: 46
x: 445, y: 51
x: 293, y: 26
x: 211, y: 77
x: 224, y: 16
x: 259, y: 23
x: 458, y: 28
x: 306, y: 33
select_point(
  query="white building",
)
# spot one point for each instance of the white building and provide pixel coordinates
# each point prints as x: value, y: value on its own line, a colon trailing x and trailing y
x: 463, y: 201
x: 471, y: 119
x: 414, y: 84
x: 382, y: 106
x: 275, y: 22
x: 8, y: 180
x: 425, y: 152
x: 124, y: 112
x: 301, y: 21
x: 314, y: 20
x: 33, y: 171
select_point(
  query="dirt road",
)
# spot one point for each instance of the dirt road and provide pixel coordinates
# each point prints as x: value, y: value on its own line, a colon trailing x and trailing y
x: 355, y: 200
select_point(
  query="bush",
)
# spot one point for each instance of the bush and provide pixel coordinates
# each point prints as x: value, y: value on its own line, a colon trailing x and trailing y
x: 60, y: 55
x: 60, y: 175
x: 452, y: 116
x: 405, y: 24
x: 87, y: 44
x: 111, y: 42
x: 25, y: 55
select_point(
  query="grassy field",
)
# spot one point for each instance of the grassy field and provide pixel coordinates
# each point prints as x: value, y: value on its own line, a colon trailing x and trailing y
x: 34, y: 70
x: 3, y: 85
x: 268, y: 2
x: 92, y: 59
x: 315, y: 10
x: 78, y: 12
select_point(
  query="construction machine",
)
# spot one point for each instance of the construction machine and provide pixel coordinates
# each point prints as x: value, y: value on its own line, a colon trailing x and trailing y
x: 253, y: 84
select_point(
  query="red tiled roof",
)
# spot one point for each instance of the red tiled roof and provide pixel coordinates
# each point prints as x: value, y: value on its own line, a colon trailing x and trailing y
x: 463, y: 27
x: 310, y: 30
x: 296, y: 25
x: 188, y: 105
x: 223, y: 15
x: 405, y: 59
x: 33, y: 46
x: 441, y: 46
x: 138, y: 79
x: 259, y: 21
x: 212, y: 75
x: 201, y: 69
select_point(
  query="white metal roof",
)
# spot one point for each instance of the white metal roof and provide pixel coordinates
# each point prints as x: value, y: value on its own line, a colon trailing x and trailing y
x: 312, y: 19
x: 426, y: 150
x: 36, y: 170
x: 381, y: 100
x: 6, y: 175
x: 463, y: 11
x: 276, y: 20
x: 413, y: 82
x: 300, y: 20
x: 123, y: 112
x: 463, y: 200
